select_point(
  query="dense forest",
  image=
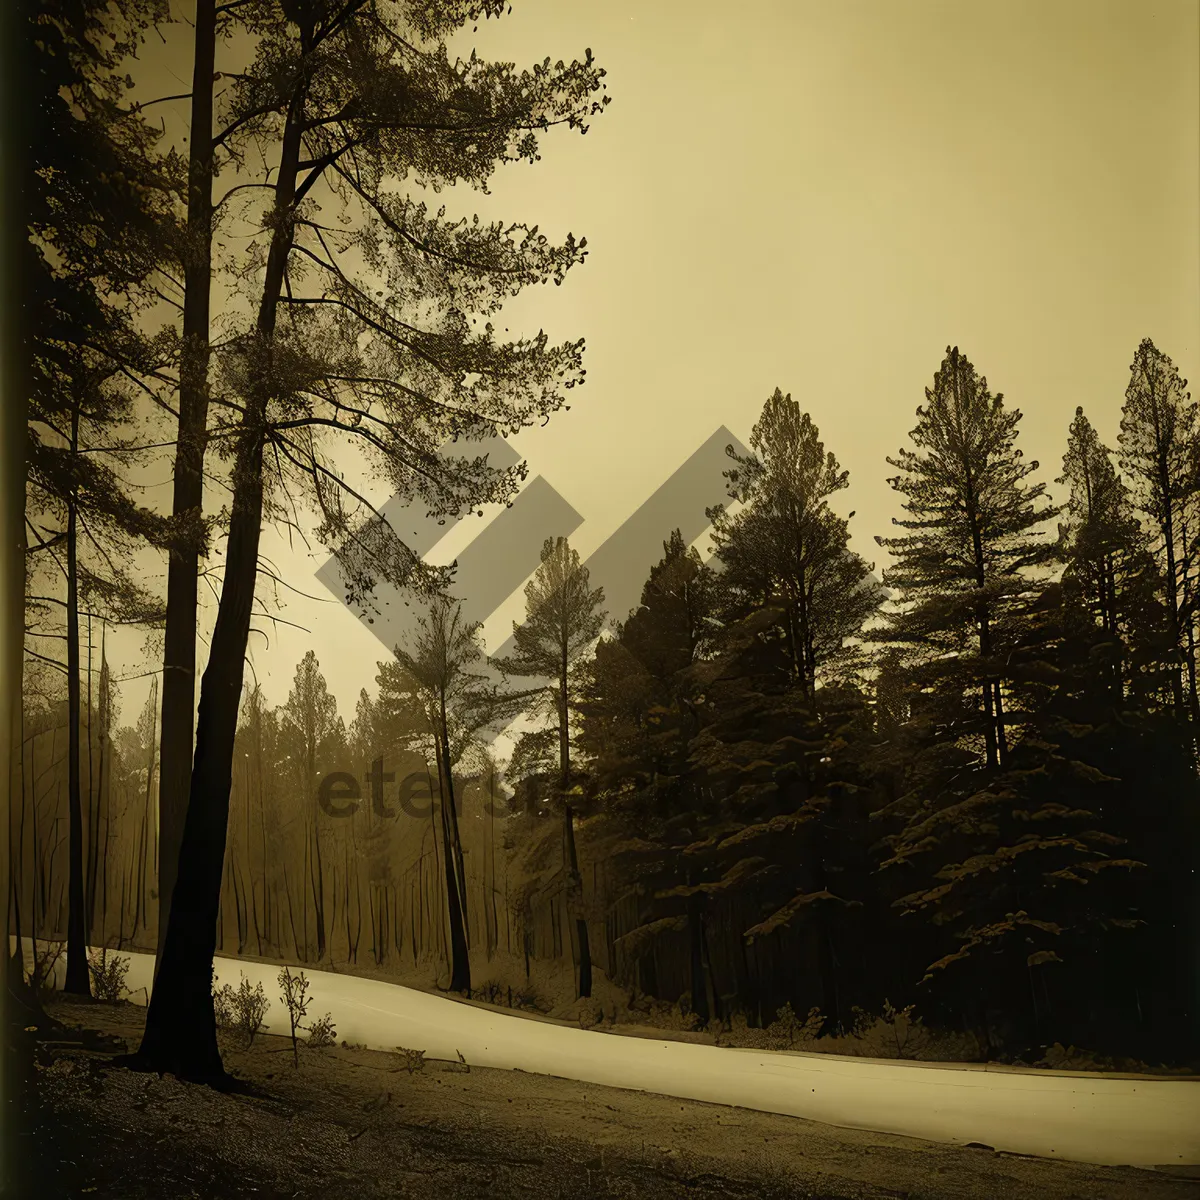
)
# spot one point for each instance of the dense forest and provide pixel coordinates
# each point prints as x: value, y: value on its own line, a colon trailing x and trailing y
x: 969, y: 785
x: 962, y: 777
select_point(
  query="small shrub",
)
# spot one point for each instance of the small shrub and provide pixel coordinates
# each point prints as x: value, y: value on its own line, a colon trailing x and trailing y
x: 321, y: 1033
x: 904, y: 1034
x: 899, y: 1033
x: 108, y: 976
x: 1072, y: 1058
x: 41, y: 975
x: 243, y: 1010
x: 296, y: 1000
x: 491, y: 993
x: 676, y: 1017
x: 788, y: 1031
x: 587, y: 1016
x: 529, y: 999
x: 895, y: 1033
x: 411, y: 1060
x: 223, y: 1007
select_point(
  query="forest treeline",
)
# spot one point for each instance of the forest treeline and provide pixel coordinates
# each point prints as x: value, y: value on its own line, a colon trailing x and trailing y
x: 969, y: 784
x: 965, y: 779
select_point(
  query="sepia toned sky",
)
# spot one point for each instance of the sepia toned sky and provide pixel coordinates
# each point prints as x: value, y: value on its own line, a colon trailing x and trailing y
x: 822, y: 197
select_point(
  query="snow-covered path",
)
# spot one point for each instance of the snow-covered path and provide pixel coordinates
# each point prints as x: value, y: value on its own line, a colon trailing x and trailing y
x: 1111, y: 1120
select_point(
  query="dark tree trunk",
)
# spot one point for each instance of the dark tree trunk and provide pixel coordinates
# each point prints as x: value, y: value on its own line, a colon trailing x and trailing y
x: 179, y: 642
x: 77, y: 982
x: 696, y: 939
x: 460, y: 869
x: 1166, y: 488
x: 581, y: 928
x: 747, y: 984
x: 258, y: 933
x: 827, y: 965
x: 826, y: 957
x: 576, y: 882
x: 460, y: 963
x: 16, y: 277
x: 93, y: 860
x: 492, y: 839
x: 318, y: 891
x: 1193, y: 690
x: 105, y: 798
x: 147, y: 819
x: 181, y: 1032
x: 525, y: 935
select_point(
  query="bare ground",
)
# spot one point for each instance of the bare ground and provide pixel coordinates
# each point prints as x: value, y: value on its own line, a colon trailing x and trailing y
x: 358, y: 1124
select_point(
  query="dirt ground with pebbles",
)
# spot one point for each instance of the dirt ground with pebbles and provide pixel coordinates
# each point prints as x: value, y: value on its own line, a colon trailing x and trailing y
x: 363, y: 1124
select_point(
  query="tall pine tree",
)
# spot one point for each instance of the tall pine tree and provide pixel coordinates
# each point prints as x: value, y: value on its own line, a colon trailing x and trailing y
x: 995, y: 826
x: 1160, y: 453
x: 785, y: 546
x: 563, y: 619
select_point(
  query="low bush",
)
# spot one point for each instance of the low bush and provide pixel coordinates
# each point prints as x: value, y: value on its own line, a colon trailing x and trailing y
x: 41, y: 974
x: 411, y: 1060
x: 321, y: 1033
x: 296, y: 1000
x: 108, y: 976
x: 242, y: 1010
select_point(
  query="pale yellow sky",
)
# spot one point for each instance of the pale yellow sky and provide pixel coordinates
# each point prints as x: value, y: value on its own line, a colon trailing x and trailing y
x: 822, y: 197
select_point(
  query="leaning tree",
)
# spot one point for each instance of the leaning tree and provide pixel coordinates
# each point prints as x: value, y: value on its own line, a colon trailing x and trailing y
x: 369, y: 336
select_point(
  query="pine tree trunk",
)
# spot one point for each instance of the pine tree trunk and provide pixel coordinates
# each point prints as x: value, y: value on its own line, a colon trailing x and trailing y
x: 746, y: 981
x: 826, y: 960
x: 460, y: 964
x: 258, y: 935
x: 696, y: 942
x: 92, y: 823
x: 357, y: 909
x: 1166, y: 488
x: 989, y: 711
x: 1193, y: 693
x: 179, y: 641
x: 76, y: 982
x: 452, y: 807
x: 105, y: 801
x: 494, y: 942
x: 19, y: 872
x: 181, y: 1031
x: 346, y: 909
x: 581, y: 927
x: 371, y: 917
x: 1001, y: 736
x: 318, y: 889
x: 121, y: 912
x: 576, y: 882
x: 180, y: 1034
x: 147, y: 811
